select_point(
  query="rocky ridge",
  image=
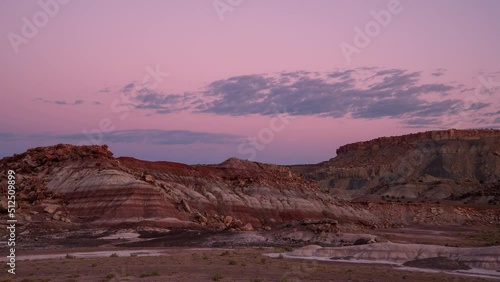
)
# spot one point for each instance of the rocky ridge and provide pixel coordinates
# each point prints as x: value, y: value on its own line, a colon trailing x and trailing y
x: 86, y: 185
x: 452, y: 165
x: 66, y: 185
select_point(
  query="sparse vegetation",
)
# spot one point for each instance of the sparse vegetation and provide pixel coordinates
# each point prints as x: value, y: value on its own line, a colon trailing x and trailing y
x: 109, y: 276
x: 149, y: 274
x: 217, y: 277
x: 113, y: 255
x: 254, y: 267
x: 233, y: 262
x: 68, y: 256
x: 489, y: 238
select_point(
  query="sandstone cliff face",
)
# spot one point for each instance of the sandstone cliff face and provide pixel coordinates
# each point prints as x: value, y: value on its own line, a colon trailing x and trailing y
x: 432, y: 165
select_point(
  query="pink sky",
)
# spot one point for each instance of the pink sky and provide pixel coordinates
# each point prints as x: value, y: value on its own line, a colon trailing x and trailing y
x: 53, y: 82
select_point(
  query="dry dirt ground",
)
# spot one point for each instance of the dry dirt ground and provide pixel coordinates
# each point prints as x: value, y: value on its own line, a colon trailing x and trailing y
x: 188, y: 264
x: 224, y: 258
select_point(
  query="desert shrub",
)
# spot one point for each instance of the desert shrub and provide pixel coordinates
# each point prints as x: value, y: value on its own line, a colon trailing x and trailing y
x: 68, y: 256
x: 149, y: 274
x: 109, y: 276
x: 284, y: 279
x: 217, y: 277
x: 233, y: 262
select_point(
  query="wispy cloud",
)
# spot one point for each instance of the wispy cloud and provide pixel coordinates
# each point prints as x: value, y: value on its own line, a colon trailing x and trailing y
x: 105, y: 90
x: 438, y: 72
x: 147, y: 136
x: 151, y: 99
x: 128, y: 88
x: 66, y: 103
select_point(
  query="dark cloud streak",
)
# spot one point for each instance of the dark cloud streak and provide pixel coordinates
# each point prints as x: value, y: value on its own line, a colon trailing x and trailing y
x: 148, y: 136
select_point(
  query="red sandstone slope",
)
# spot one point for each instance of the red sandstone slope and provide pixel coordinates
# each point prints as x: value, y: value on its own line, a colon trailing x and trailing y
x: 87, y: 185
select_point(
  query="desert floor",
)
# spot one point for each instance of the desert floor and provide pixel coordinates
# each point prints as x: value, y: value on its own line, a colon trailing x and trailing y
x: 210, y: 264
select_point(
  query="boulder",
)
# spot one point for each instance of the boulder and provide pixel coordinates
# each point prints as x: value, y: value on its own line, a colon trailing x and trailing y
x: 200, y: 218
x: 149, y: 178
x: 247, y: 227
x: 228, y: 220
x: 184, y: 206
x: 51, y: 208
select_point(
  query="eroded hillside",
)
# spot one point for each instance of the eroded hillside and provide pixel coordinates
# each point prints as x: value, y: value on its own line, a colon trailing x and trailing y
x: 86, y: 185
x: 66, y: 186
x: 457, y: 165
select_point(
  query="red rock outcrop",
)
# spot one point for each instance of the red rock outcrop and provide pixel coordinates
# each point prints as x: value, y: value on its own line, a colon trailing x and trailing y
x: 87, y: 185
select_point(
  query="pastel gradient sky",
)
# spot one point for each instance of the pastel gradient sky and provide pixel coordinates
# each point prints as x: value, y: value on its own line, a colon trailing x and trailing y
x: 199, y: 81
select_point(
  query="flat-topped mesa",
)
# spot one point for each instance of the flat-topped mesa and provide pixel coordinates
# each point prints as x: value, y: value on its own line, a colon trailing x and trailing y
x: 407, y: 140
